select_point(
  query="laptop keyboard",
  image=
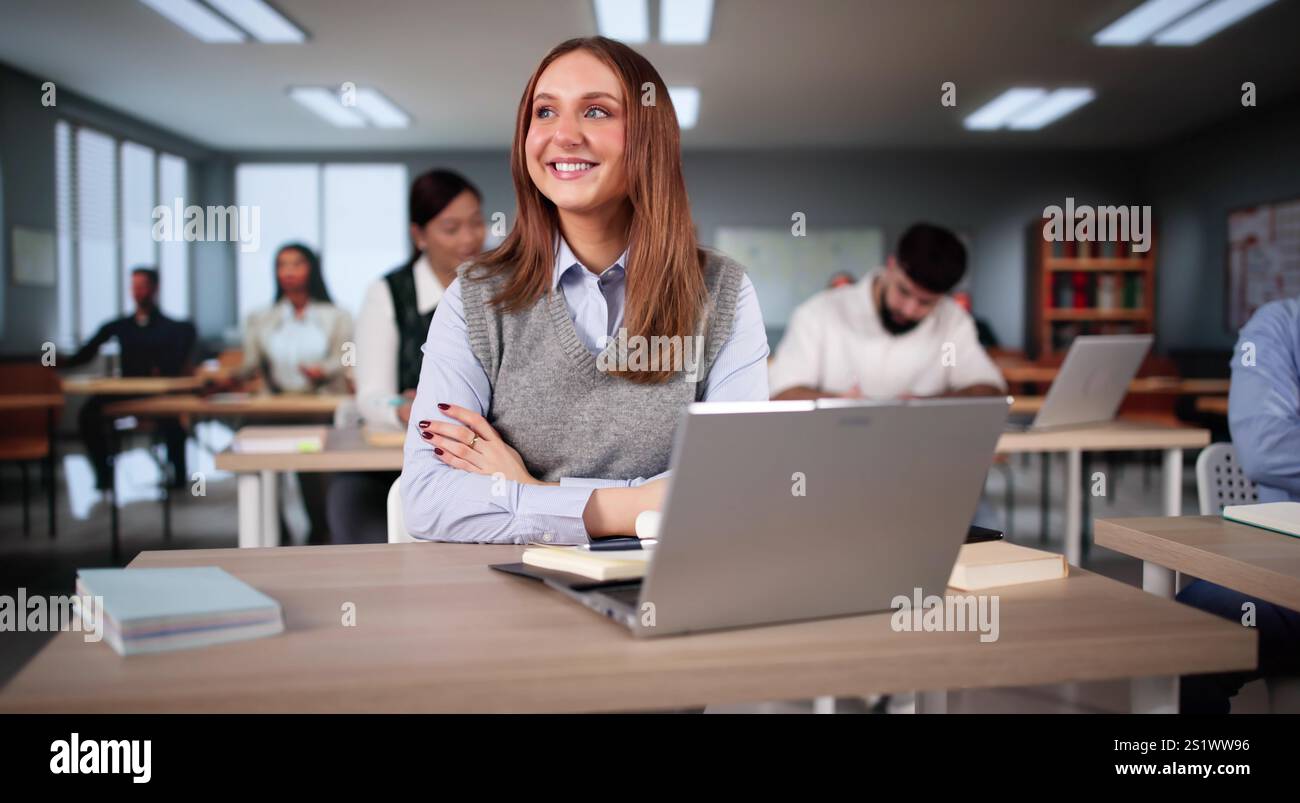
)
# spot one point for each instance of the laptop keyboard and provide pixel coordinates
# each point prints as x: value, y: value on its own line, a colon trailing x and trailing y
x: 627, y: 594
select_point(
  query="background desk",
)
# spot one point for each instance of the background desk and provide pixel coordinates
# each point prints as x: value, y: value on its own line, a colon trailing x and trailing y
x: 346, y: 450
x: 192, y: 407
x: 130, y: 385
x: 259, y: 506
x: 1121, y: 435
x: 1251, y: 560
x: 436, y: 630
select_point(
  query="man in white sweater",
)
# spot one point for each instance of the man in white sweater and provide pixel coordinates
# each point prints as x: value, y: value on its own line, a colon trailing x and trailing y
x: 894, y: 334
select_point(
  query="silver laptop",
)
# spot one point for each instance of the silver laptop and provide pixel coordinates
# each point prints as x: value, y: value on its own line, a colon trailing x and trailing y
x: 780, y: 511
x: 1091, y: 384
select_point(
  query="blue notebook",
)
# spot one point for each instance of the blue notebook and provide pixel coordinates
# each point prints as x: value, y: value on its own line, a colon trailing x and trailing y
x: 152, y: 610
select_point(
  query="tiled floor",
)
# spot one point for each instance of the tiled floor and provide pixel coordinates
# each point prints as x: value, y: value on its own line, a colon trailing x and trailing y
x: 45, y: 566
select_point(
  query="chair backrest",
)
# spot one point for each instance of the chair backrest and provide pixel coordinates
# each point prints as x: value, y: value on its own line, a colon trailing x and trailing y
x: 397, y: 533
x: 23, y: 377
x: 1220, y: 480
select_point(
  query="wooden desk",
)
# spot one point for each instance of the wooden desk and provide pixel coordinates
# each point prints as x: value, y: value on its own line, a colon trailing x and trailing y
x: 230, y: 406
x: 1251, y: 560
x: 257, y: 484
x: 130, y: 385
x: 1120, y: 435
x: 1017, y: 373
x: 31, y: 401
x: 437, y: 631
x: 1215, y: 405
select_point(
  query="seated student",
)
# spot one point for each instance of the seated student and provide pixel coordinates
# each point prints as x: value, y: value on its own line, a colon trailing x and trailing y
x: 446, y: 218
x: 151, y: 344
x: 894, y: 334
x: 520, y: 431
x: 1264, y: 416
x: 297, y: 346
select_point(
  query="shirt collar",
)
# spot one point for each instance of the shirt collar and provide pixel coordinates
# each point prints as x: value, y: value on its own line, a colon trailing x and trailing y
x: 566, y: 260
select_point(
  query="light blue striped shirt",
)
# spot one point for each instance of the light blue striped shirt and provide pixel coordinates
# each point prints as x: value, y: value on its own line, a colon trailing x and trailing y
x: 1264, y: 400
x: 447, y: 504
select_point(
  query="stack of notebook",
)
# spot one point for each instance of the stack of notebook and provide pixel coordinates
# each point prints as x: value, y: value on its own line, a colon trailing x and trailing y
x: 998, y: 563
x: 623, y: 564
x: 155, y: 610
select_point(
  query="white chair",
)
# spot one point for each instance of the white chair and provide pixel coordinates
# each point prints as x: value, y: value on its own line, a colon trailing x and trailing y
x: 1220, y: 481
x: 397, y: 533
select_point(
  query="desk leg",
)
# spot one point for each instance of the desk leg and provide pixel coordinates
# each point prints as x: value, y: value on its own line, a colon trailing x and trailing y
x: 1074, y: 506
x: 824, y: 705
x: 270, y: 508
x: 1158, y: 580
x: 1157, y: 695
x: 249, y: 489
x: 1173, y: 477
x: 932, y: 702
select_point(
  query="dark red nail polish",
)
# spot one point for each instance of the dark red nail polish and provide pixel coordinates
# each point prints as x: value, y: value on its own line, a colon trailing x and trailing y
x: 428, y: 436
x: 442, y: 406
x: 424, y: 425
x: 436, y: 450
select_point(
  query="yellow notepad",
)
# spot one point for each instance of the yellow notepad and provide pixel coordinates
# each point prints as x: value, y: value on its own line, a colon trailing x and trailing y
x: 998, y: 563
x: 626, y: 564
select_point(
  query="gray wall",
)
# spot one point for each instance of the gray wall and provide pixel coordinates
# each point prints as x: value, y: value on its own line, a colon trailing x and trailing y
x: 1193, y: 184
x: 990, y: 195
x: 29, y: 314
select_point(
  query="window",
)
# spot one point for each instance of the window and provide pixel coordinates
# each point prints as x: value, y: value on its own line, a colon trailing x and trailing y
x: 105, y: 193
x: 174, y: 254
x: 354, y: 215
x: 138, y: 184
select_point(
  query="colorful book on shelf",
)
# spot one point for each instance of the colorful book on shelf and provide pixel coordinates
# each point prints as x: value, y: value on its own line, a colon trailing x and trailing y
x: 1080, y: 281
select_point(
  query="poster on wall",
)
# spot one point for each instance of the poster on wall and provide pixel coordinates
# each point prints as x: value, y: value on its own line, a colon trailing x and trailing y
x: 1263, y: 258
x: 33, y: 253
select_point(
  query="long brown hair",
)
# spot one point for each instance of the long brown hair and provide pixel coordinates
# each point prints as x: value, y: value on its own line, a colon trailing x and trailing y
x: 665, y: 272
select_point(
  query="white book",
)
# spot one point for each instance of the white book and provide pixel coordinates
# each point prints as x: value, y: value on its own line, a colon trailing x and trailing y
x: 1280, y: 517
x: 280, y: 440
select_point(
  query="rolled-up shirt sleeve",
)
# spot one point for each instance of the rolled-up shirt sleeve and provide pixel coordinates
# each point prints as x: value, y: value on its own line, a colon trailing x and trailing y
x: 1264, y: 400
x: 441, y: 503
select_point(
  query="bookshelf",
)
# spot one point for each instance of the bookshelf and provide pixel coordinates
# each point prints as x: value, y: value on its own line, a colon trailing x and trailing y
x: 1086, y: 288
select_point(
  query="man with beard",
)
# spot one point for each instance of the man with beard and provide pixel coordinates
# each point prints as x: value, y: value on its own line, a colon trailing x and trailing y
x: 894, y: 334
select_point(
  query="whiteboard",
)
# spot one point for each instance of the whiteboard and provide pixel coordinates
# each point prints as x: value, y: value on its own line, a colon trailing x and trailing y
x: 787, y: 270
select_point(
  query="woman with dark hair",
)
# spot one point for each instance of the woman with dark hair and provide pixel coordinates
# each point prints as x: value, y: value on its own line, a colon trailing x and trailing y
x: 524, y: 427
x: 297, y: 344
x: 446, y: 220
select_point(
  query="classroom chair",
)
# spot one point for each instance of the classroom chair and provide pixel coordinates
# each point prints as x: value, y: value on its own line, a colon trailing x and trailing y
x: 27, y: 436
x: 1220, y: 481
x: 397, y: 533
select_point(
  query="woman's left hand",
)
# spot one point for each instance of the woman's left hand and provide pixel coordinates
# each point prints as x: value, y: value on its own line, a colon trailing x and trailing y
x: 473, y: 445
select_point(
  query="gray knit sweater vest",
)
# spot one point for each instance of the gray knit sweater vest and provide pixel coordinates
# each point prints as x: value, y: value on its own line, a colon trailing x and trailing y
x: 551, y: 401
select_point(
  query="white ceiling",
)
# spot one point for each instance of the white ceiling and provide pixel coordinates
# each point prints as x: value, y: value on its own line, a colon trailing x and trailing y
x: 776, y: 73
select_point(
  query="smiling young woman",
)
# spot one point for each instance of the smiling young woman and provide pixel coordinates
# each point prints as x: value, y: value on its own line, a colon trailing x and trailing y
x: 518, y: 434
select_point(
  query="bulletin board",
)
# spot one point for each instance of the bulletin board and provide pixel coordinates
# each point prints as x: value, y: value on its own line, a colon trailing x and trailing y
x: 787, y: 270
x: 1263, y: 258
